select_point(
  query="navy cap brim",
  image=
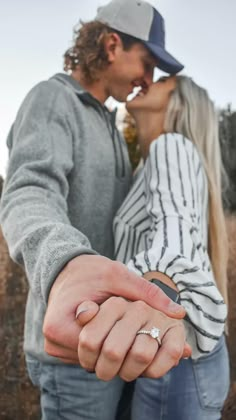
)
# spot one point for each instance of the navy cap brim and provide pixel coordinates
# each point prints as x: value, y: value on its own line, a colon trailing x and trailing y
x: 165, y: 61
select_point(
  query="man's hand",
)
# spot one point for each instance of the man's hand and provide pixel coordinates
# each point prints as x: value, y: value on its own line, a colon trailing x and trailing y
x: 109, y: 344
x: 94, y: 278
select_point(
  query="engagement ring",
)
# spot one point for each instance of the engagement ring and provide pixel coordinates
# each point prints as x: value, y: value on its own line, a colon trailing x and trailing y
x: 154, y: 333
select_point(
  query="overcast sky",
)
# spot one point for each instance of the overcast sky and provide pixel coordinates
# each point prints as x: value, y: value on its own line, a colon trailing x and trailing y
x: 34, y: 35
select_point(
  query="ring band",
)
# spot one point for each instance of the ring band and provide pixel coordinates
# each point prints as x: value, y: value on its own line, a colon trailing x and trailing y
x: 154, y: 333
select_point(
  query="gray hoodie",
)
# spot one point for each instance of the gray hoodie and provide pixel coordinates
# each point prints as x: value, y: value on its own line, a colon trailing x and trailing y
x: 68, y: 173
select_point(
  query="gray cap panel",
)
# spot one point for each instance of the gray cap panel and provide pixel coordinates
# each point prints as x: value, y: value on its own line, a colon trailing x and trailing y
x: 132, y: 17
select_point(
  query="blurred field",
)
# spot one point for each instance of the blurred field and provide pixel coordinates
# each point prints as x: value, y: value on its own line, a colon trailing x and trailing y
x: 18, y: 399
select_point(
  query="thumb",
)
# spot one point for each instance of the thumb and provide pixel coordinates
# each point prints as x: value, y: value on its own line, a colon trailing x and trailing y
x: 85, y: 312
x: 134, y: 288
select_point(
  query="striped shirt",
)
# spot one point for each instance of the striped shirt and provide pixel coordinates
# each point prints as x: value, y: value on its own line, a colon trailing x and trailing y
x: 163, y: 226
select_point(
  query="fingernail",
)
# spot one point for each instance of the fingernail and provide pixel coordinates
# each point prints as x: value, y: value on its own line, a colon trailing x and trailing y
x: 79, y: 312
x: 175, y: 307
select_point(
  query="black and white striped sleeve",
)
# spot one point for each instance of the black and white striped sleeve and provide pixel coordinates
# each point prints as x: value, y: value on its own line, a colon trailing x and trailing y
x: 177, y: 204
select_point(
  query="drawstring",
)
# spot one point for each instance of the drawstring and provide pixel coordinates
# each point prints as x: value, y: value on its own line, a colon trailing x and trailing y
x: 117, y: 144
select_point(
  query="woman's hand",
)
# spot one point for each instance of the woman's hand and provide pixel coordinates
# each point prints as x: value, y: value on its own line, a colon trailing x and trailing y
x: 110, y: 346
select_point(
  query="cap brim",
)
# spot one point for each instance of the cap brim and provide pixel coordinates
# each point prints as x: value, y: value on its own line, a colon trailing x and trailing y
x: 166, y: 62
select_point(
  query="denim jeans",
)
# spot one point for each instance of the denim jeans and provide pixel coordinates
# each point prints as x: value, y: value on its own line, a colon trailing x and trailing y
x: 68, y: 392
x: 194, y: 390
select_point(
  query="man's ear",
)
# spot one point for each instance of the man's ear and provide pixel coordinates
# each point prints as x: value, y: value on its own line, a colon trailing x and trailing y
x: 113, y: 44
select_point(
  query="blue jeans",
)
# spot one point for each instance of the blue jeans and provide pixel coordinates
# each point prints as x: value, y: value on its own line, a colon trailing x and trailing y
x: 194, y: 390
x: 68, y: 392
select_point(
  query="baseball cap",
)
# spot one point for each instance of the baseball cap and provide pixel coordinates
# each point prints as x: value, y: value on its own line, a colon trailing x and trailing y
x: 141, y: 20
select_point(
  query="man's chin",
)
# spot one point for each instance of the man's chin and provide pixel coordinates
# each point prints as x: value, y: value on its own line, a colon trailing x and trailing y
x: 123, y: 97
x: 120, y: 99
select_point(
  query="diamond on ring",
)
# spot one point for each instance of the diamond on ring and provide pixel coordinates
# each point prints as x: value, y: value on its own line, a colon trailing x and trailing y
x: 154, y: 333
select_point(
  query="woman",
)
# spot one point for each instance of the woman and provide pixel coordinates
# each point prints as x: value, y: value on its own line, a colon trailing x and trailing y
x: 171, y: 227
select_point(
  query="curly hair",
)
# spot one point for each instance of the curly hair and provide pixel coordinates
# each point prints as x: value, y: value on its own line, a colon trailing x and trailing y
x: 88, y: 51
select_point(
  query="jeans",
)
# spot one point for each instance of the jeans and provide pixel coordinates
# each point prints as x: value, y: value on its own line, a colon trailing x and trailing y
x: 194, y: 390
x: 68, y: 392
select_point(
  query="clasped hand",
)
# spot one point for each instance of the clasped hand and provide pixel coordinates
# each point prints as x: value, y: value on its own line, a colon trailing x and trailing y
x: 104, y: 337
x: 110, y: 346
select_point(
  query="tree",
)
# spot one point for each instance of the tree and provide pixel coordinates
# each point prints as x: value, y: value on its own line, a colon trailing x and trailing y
x: 227, y: 132
x: 130, y: 135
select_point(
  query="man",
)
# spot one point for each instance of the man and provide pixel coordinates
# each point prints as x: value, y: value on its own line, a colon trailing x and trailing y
x: 68, y: 174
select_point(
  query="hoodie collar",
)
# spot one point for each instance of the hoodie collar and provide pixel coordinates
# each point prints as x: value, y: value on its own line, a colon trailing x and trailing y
x: 79, y: 90
x: 86, y: 96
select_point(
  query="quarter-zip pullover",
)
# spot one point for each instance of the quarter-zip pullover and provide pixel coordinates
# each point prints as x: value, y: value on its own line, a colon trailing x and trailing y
x: 68, y: 173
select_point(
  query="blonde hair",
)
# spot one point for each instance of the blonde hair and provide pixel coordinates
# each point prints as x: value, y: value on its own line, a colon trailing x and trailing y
x: 191, y: 113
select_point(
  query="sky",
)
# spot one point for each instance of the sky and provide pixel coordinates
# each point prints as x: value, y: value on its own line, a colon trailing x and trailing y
x: 34, y: 35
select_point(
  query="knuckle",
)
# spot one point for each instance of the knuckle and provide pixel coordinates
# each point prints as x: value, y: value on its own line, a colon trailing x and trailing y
x: 103, y: 375
x: 50, y: 331
x: 113, y: 269
x: 107, y: 271
x: 119, y: 268
x: 85, y: 343
x: 175, y: 352
x: 119, y: 271
x: 84, y: 364
x: 48, y: 348
x: 141, y: 306
x: 113, y: 355
x: 126, y: 378
x: 152, y: 373
x: 141, y: 357
x: 52, y: 350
